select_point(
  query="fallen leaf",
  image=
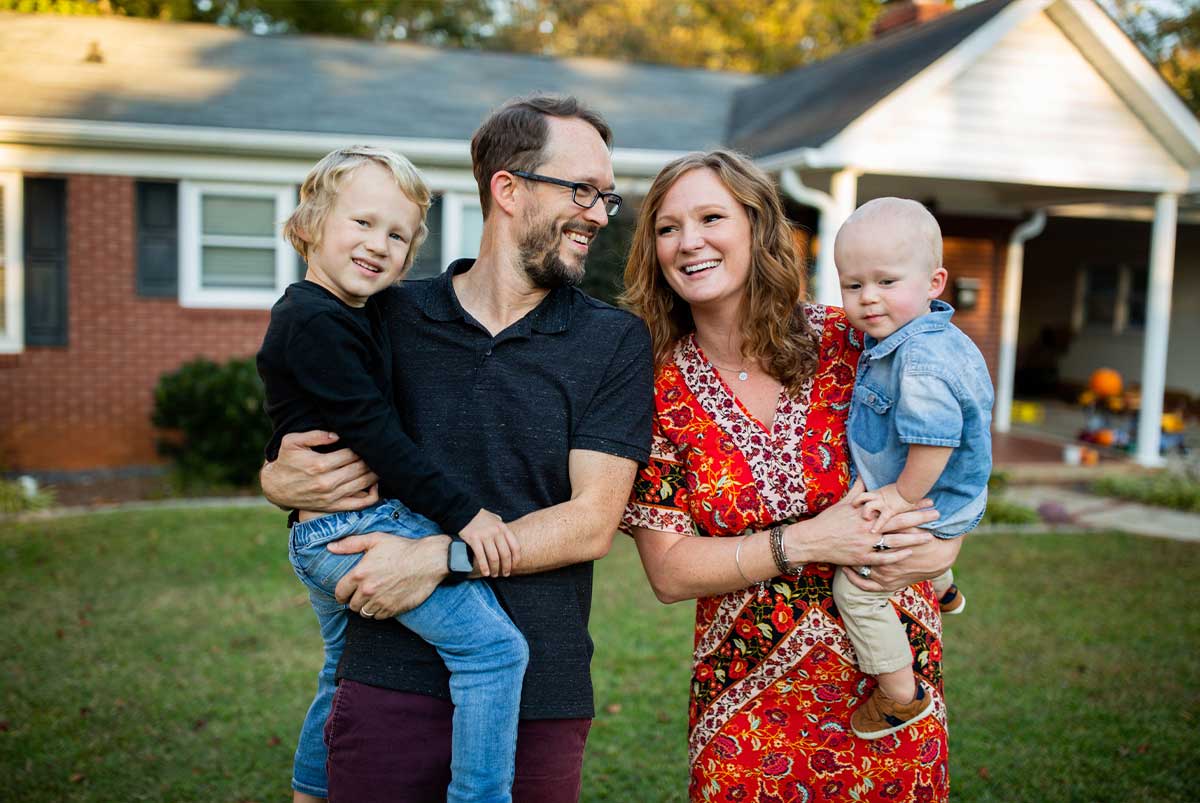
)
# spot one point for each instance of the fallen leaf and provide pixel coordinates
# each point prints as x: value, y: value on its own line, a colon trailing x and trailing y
x: 58, y: 633
x: 1143, y: 749
x: 613, y: 708
x: 984, y: 774
x: 78, y: 777
x: 273, y: 741
x: 84, y: 711
x: 199, y: 724
x: 4, y: 726
x: 119, y: 702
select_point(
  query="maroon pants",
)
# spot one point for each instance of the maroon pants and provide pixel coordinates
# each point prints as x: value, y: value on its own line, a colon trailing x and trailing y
x: 393, y: 747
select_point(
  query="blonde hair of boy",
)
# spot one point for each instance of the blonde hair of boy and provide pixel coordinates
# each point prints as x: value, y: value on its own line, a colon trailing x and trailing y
x: 912, y: 217
x: 320, y: 188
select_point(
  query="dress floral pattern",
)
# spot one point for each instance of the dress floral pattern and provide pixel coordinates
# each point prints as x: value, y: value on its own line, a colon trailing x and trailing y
x: 774, y: 677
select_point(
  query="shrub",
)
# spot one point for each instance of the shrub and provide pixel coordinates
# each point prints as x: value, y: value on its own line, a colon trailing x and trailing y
x: 16, y: 498
x: 1165, y: 489
x: 214, y: 421
x: 1002, y: 511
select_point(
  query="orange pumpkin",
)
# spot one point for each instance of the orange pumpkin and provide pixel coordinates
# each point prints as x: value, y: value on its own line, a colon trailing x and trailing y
x: 1105, y: 383
x: 1104, y: 437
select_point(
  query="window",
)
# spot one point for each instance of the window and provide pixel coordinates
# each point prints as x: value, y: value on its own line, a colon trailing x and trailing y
x: 462, y: 226
x: 11, y: 324
x: 232, y: 252
x: 1111, y: 297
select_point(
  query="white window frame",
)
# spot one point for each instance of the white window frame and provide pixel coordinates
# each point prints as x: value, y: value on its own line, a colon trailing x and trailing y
x: 12, y: 339
x: 453, y: 205
x: 191, y: 242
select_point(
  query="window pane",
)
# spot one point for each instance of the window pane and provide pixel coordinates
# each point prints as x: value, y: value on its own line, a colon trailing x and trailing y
x: 472, y: 231
x: 429, y: 258
x: 1137, y: 297
x: 222, y: 214
x: 248, y: 268
x: 1100, y: 304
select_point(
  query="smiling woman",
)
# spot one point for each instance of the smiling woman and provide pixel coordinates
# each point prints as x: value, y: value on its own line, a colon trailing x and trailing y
x: 738, y: 506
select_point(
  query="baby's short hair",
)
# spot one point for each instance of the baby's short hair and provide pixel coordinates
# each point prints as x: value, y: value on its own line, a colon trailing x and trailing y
x: 910, y: 214
x: 321, y: 185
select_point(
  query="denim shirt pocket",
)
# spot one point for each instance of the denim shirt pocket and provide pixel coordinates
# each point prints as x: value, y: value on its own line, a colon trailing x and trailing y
x: 873, y: 418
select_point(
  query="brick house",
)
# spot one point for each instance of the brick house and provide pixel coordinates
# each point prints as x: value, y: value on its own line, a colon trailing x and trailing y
x: 145, y: 166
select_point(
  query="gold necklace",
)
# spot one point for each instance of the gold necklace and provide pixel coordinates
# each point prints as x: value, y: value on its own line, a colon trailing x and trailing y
x: 742, y: 373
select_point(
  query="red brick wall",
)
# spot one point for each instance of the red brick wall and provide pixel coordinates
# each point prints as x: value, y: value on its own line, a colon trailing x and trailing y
x: 977, y: 249
x: 88, y: 405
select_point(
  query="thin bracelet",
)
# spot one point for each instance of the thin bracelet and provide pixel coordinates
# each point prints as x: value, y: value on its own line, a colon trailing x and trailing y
x: 737, y: 559
x: 777, y: 552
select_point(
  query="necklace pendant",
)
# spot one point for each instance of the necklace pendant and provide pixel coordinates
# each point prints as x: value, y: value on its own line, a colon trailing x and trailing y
x: 743, y: 375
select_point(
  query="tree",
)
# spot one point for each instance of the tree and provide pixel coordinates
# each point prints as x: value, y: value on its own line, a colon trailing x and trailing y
x: 1168, y: 32
x: 745, y: 35
x: 463, y: 23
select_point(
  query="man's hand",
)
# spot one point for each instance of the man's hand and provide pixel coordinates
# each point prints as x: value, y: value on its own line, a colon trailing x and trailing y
x: 883, y: 504
x: 395, y: 575
x: 496, y: 549
x: 303, y: 479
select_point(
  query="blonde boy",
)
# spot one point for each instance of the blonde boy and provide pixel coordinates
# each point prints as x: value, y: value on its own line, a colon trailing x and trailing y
x: 918, y: 427
x: 326, y: 362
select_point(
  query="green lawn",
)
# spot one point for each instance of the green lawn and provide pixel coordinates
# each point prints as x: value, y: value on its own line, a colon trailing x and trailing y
x: 170, y: 656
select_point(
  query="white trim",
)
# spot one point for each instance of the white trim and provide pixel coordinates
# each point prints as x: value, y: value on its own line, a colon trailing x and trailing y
x: 192, y: 293
x: 1102, y: 211
x: 277, y: 145
x: 453, y: 206
x: 12, y: 337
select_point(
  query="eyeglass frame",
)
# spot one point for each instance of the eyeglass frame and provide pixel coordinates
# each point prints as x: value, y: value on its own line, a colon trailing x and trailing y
x: 575, y: 186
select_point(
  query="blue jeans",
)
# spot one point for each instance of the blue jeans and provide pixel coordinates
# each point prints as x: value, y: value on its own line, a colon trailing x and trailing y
x: 483, y: 650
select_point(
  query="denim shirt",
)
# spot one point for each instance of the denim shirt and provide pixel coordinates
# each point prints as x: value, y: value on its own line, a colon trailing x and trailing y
x: 926, y: 384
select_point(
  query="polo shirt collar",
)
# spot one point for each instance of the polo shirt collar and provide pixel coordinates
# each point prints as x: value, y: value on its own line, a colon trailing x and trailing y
x: 552, y: 314
x: 935, y: 320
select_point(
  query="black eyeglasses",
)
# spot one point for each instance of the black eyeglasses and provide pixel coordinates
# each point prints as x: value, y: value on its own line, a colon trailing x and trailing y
x: 582, y: 194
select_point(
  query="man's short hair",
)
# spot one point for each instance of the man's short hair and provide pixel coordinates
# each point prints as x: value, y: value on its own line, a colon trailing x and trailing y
x: 514, y: 137
x: 319, y: 192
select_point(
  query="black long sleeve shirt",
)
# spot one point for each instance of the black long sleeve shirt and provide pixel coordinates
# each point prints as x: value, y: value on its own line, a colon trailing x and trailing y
x: 328, y: 366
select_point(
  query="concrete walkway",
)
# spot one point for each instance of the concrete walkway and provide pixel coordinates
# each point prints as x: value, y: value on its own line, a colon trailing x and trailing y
x: 1089, y: 512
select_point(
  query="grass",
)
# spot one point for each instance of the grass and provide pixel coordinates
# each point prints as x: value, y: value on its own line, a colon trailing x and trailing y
x: 1164, y: 489
x: 167, y: 656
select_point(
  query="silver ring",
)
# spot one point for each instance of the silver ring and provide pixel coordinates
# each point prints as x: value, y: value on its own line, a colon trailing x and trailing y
x: 864, y: 571
x: 364, y: 613
x: 880, y: 546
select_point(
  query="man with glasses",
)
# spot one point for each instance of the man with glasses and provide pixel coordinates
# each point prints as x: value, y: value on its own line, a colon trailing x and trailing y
x: 533, y: 394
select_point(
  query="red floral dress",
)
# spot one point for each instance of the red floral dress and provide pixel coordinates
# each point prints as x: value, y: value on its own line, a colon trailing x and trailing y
x: 774, y: 677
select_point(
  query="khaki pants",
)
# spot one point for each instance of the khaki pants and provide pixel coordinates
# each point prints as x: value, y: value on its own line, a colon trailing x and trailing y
x: 873, y: 626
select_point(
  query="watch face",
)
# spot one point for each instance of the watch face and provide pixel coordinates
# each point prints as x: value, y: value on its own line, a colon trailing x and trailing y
x: 460, y: 557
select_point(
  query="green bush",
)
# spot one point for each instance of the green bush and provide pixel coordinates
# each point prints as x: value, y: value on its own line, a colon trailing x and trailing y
x: 15, y: 499
x: 214, y: 421
x: 1165, y: 489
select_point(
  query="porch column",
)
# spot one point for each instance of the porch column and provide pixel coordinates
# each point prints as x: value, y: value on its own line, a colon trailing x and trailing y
x: 1158, y: 325
x: 1010, y: 318
x: 843, y: 189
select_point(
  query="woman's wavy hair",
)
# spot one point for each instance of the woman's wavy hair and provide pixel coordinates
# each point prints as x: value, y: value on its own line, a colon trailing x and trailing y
x: 775, y: 330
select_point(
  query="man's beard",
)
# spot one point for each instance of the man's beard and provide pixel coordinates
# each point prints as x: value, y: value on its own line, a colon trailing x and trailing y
x: 539, y: 249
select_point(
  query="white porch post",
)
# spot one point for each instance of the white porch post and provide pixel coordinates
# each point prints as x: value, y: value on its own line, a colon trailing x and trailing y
x: 1158, y: 325
x: 1010, y: 317
x: 843, y: 188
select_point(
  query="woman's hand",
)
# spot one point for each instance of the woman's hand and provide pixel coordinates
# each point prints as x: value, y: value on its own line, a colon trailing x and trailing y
x: 839, y: 534
x: 303, y: 479
x: 923, y: 562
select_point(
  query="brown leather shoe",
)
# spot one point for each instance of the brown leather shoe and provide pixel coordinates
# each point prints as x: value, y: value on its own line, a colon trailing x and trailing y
x: 882, y: 716
x: 952, y: 602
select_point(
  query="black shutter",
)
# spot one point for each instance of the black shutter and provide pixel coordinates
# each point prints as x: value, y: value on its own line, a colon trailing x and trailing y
x: 45, y: 262
x: 157, y: 239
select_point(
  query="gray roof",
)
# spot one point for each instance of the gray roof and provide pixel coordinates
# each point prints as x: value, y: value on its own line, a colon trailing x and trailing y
x: 205, y: 75
x: 807, y: 107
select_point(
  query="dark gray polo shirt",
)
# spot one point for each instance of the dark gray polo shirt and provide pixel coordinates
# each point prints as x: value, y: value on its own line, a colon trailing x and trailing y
x: 500, y: 415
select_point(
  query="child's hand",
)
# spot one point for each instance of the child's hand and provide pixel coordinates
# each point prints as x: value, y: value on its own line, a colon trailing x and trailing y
x: 882, y: 505
x: 495, y: 547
